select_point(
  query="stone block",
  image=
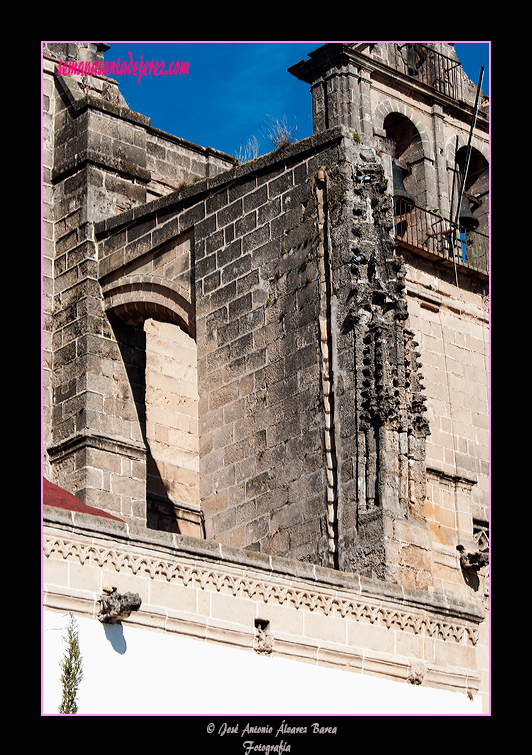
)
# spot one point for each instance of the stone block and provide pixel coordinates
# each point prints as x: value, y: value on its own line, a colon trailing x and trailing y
x: 229, y: 213
x: 258, y: 485
x: 307, y: 532
x: 363, y: 634
x: 55, y: 572
x: 255, y: 239
x: 257, y: 529
x: 223, y: 521
x: 255, y: 198
x: 281, y: 184
x: 237, y: 269
x: 222, y: 296
x: 175, y: 597
x: 325, y: 628
x: 286, y: 516
x: 226, y: 608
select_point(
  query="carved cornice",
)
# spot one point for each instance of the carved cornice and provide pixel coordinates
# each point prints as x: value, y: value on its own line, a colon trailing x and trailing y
x: 129, y: 448
x: 243, y: 583
x: 459, y: 481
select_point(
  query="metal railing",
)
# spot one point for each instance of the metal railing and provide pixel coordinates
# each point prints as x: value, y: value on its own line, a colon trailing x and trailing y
x: 430, y: 67
x: 429, y: 234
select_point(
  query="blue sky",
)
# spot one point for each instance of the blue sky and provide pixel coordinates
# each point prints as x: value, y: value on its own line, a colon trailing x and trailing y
x: 233, y: 88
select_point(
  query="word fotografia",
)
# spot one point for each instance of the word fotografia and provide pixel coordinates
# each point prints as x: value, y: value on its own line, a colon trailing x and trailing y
x: 250, y: 746
x: 124, y: 68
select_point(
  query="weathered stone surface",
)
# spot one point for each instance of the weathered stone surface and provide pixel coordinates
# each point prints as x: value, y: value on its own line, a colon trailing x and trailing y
x: 306, y: 429
x: 115, y: 607
x: 276, y: 359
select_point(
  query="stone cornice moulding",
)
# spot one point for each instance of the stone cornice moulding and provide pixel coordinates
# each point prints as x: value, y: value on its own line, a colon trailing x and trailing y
x: 80, y: 440
x: 459, y: 481
x: 213, y: 566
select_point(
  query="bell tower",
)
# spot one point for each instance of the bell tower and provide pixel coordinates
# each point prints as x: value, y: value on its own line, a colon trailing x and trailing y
x: 414, y: 117
x: 399, y: 98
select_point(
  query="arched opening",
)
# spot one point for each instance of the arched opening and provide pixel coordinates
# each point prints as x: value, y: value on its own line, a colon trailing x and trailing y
x: 162, y: 375
x: 408, y: 155
x: 476, y: 189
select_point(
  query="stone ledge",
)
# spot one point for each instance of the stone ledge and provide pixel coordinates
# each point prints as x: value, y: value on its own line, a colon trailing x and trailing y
x: 129, y: 448
x: 442, y: 602
x: 452, y: 477
x: 285, y: 645
x: 117, y: 165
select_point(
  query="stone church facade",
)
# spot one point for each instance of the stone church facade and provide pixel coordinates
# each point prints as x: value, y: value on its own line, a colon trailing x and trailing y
x: 276, y: 370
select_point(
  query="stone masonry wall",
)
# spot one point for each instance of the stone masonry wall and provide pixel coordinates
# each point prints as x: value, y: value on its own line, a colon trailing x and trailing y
x: 283, y: 278
x: 175, y: 163
x: 172, y: 438
x: 298, y: 455
x: 98, y: 170
x: 449, y: 313
x: 251, y: 358
x: 263, y: 479
x: 100, y: 159
x: 262, y: 473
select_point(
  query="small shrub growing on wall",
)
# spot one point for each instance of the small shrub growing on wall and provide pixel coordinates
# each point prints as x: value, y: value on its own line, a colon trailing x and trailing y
x: 280, y: 134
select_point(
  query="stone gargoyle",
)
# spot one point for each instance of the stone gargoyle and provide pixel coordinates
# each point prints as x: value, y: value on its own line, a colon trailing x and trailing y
x: 115, y: 607
x: 472, y: 561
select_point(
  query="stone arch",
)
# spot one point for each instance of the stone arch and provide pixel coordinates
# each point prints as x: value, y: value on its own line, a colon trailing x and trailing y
x: 477, y: 183
x: 418, y: 164
x: 148, y: 295
x: 136, y: 298
x: 408, y: 155
x: 388, y: 107
x: 476, y: 190
x: 451, y: 147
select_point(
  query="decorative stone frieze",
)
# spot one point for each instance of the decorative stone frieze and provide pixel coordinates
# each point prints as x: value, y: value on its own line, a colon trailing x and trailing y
x: 268, y: 580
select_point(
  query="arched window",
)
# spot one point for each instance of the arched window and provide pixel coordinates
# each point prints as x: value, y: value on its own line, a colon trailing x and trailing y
x: 476, y: 190
x: 408, y: 155
x: 151, y: 308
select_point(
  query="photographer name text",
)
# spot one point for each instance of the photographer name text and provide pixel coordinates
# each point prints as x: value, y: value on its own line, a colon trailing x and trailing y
x: 250, y: 746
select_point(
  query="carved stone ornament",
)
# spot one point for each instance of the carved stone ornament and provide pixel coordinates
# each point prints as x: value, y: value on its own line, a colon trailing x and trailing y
x: 472, y: 561
x: 416, y: 673
x: 115, y: 607
x: 263, y: 638
x: 215, y: 578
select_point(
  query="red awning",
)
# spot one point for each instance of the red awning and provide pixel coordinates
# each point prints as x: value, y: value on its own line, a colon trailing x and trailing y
x: 55, y: 496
